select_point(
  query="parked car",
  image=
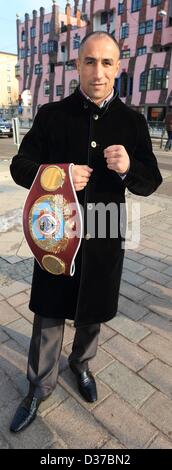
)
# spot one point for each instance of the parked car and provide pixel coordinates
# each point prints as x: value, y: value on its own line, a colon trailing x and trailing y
x: 6, y: 128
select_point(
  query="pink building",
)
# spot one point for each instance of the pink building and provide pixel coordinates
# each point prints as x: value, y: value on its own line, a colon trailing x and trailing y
x: 48, y: 46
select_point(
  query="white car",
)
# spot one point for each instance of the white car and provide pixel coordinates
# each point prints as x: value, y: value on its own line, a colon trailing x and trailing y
x: 5, y: 128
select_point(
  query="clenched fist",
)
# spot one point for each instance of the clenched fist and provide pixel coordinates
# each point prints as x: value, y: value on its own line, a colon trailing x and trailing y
x: 80, y: 176
x: 117, y: 158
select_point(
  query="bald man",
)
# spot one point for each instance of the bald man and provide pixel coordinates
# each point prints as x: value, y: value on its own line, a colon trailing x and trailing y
x: 111, y: 150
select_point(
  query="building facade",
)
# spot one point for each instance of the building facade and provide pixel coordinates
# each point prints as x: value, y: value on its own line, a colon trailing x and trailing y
x: 48, y: 47
x: 8, y: 83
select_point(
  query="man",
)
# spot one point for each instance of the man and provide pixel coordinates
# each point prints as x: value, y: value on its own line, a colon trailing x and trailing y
x: 168, y: 125
x: 110, y: 147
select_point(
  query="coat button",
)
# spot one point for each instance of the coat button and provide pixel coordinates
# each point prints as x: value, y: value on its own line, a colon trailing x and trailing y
x: 87, y: 236
x: 85, y: 106
x: 93, y: 144
x: 90, y: 206
x: 95, y: 117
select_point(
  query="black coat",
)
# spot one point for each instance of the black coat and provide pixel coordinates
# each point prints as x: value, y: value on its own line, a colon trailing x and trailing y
x: 63, y: 132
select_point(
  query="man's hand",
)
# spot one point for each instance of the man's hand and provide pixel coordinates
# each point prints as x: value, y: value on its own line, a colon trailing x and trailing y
x: 117, y: 158
x: 80, y: 176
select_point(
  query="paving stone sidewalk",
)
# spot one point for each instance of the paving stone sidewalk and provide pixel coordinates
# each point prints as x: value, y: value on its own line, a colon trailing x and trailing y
x: 133, y: 366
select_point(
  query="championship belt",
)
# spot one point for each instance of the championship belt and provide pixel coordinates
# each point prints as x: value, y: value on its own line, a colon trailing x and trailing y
x: 52, y: 219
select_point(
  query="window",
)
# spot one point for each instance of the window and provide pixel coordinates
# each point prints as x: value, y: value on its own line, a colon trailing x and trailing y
x: 123, y: 84
x: 51, y: 68
x: 22, y: 53
x: 28, y: 52
x: 23, y: 36
x: 72, y: 86
x: 44, y: 48
x: 124, y: 32
x: 142, y: 50
x: 154, y: 79
x: 9, y: 89
x: 157, y: 48
x: 149, y: 26
x: 8, y: 78
x: 106, y: 16
x: 59, y: 90
x: 46, y: 88
x: 76, y: 41
x: 136, y: 5
x: 103, y: 17
x: 158, y: 25
x: 32, y: 32
x: 38, y: 69
x: 145, y: 27
x: 46, y: 28
x: 63, y: 27
x: 120, y: 8
x: 17, y: 70
x: 156, y: 113
x: 70, y: 65
x: 52, y: 46
x: 154, y: 3
x: 125, y: 54
x: 35, y: 50
x: 143, y: 81
x: 142, y: 28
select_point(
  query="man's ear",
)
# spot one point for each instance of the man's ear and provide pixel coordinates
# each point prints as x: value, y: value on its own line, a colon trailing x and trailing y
x: 78, y: 65
x: 118, y: 65
x: 117, y: 68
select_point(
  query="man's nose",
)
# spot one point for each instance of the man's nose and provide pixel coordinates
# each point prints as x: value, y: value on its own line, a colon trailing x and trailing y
x: 99, y: 71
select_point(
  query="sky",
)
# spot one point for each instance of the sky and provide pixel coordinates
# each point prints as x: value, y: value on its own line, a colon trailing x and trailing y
x: 8, y: 10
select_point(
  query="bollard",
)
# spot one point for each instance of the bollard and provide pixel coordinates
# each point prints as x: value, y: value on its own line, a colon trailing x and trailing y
x: 16, y: 133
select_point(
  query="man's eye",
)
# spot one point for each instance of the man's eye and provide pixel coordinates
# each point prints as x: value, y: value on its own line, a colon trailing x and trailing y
x: 107, y: 62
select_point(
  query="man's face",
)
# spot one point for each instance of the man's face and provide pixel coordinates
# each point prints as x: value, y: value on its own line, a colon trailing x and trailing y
x: 98, y: 66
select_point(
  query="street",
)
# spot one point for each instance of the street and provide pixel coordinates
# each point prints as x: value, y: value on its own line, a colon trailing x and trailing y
x: 7, y: 148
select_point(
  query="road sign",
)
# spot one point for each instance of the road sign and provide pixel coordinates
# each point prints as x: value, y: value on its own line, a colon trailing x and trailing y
x: 16, y: 134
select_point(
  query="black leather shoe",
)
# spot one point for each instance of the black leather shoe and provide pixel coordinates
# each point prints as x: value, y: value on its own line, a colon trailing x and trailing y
x: 86, y: 384
x: 25, y: 414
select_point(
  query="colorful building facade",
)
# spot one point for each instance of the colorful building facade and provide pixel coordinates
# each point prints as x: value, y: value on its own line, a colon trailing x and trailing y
x: 48, y: 47
x: 8, y: 81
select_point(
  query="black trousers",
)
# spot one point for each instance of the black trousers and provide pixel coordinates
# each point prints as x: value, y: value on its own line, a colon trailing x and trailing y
x: 45, y: 348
